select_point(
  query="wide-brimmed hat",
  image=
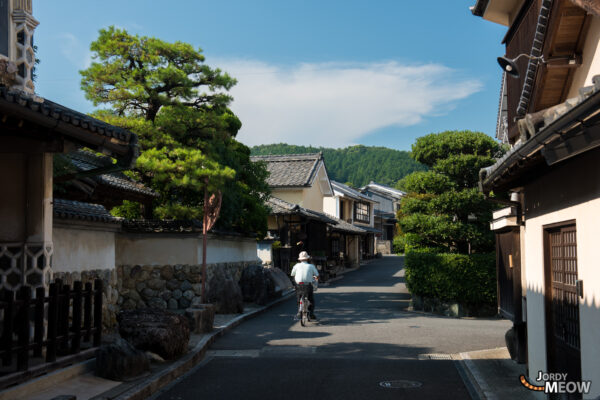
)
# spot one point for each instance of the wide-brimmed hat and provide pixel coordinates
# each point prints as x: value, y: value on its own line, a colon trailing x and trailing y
x: 303, y: 256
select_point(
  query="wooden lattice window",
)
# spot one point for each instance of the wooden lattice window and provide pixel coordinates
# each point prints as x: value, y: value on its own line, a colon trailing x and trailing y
x: 361, y: 212
x: 565, y: 305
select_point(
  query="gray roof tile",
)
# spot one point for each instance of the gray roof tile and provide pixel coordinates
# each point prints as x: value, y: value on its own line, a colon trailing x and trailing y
x: 67, y: 121
x: 350, y: 192
x: 291, y: 170
x: 86, y: 161
x: 69, y: 209
x: 282, y: 207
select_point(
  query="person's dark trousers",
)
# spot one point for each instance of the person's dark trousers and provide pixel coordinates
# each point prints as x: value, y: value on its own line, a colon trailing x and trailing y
x: 308, y: 289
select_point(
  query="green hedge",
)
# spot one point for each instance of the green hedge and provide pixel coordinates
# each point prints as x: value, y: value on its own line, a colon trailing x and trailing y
x: 466, y: 279
x: 399, y: 244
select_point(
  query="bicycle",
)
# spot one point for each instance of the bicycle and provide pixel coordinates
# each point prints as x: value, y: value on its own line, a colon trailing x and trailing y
x: 303, y: 307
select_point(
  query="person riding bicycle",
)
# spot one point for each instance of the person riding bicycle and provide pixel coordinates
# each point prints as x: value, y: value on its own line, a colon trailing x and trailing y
x: 304, y: 274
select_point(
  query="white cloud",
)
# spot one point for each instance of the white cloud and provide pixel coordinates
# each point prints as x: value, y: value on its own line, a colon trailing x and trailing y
x: 77, y: 53
x: 334, y: 104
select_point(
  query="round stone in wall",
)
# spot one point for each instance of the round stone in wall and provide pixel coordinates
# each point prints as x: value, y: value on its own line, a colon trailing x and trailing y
x: 166, y: 272
x: 157, y: 302
x: 173, y: 304
x: 186, y: 285
x: 184, y: 303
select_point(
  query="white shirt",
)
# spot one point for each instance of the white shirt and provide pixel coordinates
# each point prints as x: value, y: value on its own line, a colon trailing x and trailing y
x: 304, y: 272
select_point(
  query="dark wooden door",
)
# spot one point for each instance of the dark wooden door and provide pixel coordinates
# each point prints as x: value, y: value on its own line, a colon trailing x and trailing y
x: 508, y: 264
x: 562, y: 302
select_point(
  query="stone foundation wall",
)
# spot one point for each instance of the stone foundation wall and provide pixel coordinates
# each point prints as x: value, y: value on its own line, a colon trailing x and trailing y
x: 110, y: 296
x: 172, y: 287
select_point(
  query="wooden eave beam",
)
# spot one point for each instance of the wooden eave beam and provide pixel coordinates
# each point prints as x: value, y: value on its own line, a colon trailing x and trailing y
x: 81, y: 136
x: 559, y: 54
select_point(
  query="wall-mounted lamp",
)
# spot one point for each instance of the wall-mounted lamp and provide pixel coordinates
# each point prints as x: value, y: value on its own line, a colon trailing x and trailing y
x: 510, y: 66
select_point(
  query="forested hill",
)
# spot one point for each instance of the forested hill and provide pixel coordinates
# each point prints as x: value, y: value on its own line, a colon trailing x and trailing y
x: 357, y: 165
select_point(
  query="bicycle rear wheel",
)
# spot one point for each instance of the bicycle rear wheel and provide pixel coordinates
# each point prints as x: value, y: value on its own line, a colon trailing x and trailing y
x: 303, y: 311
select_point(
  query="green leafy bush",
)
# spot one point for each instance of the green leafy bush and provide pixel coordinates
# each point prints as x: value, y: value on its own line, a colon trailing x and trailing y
x: 399, y: 244
x: 466, y: 279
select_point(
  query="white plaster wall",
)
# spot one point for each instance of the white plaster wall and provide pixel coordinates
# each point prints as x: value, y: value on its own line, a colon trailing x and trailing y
x: 588, y: 232
x: 150, y: 249
x: 82, y: 249
x: 565, y: 195
x: 330, y: 206
x: 312, y: 197
x: 157, y: 249
x: 222, y: 249
x: 291, y: 196
x: 590, y: 64
x: 263, y: 250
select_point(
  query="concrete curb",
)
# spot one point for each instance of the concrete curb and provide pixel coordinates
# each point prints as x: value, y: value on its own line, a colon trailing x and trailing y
x: 145, y: 387
x: 475, y: 379
x: 470, y: 381
x: 48, y: 380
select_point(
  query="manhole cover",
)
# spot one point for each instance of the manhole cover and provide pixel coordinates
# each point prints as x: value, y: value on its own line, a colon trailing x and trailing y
x: 400, y: 384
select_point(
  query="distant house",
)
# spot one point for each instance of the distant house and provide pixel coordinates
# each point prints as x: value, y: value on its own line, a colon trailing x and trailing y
x: 298, y: 178
x: 547, y: 236
x: 299, y: 186
x: 355, y: 208
x: 388, y: 203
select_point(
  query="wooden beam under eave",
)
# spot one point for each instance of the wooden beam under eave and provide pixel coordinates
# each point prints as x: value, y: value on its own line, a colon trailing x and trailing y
x: 19, y: 144
x: 564, y: 40
x: 591, y: 6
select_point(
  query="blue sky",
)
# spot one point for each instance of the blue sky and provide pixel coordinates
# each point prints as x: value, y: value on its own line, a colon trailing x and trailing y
x: 323, y: 73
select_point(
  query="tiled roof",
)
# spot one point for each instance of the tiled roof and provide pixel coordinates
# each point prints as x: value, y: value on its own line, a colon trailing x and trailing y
x: 65, y: 121
x: 558, y: 125
x: 69, y: 209
x: 170, y: 226
x: 384, y: 189
x: 173, y: 226
x: 352, y: 193
x: 368, y: 229
x: 384, y: 214
x: 344, y: 226
x: 86, y: 161
x: 282, y: 207
x: 291, y: 170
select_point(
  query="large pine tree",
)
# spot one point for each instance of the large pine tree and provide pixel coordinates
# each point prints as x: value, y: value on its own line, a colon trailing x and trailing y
x: 178, y: 106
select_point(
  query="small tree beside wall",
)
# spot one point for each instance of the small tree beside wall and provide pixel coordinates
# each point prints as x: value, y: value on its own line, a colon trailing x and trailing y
x: 444, y: 219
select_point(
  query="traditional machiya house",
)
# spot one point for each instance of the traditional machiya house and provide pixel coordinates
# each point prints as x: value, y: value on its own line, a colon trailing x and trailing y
x: 547, y: 236
x: 109, y: 189
x: 33, y: 129
x: 388, y: 203
x: 298, y: 179
x: 299, y: 186
x: 355, y: 208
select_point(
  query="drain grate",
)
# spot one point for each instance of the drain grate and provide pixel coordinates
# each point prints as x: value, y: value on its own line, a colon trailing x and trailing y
x: 400, y: 384
x: 233, y: 353
x: 435, y: 356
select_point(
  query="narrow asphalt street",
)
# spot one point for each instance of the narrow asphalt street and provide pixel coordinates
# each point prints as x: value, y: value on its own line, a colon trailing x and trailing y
x: 364, y: 338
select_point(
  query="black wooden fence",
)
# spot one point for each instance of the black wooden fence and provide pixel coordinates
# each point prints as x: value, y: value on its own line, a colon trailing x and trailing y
x: 58, y: 323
